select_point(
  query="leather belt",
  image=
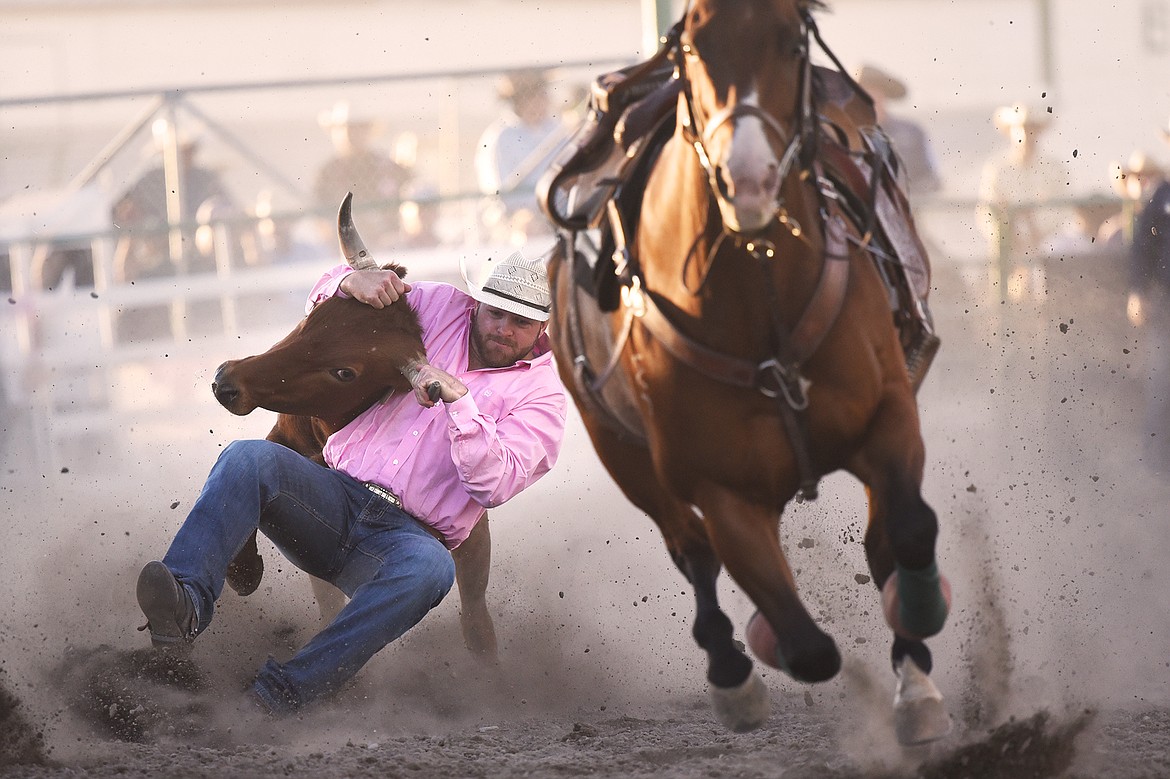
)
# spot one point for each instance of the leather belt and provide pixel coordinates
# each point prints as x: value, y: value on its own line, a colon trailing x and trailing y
x: 396, y: 502
x: 382, y: 492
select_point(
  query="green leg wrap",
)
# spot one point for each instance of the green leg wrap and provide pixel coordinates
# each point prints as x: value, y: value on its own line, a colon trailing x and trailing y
x: 921, y: 605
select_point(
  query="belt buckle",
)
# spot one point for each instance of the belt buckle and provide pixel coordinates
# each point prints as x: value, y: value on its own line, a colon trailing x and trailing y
x: 384, y: 493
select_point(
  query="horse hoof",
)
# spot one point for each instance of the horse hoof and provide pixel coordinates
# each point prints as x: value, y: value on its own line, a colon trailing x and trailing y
x: 745, y: 707
x: 919, y: 714
x: 932, y: 604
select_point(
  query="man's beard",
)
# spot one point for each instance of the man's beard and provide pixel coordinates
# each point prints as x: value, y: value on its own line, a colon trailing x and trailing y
x: 495, y: 353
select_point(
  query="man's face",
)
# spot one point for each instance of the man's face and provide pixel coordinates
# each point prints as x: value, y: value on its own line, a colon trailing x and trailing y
x: 500, y: 338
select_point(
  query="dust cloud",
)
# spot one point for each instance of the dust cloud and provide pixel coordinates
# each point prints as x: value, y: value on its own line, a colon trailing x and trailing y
x: 1052, y: 535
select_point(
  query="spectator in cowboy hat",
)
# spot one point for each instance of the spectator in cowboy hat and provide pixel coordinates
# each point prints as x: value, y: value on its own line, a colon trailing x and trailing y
x: 376, y: 179
x: 909, y: 139
x: 514, y: 151
x: 1021, y: 200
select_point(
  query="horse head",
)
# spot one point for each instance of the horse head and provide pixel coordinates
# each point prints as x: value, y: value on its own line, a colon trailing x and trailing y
x: 744, y: 105
x: 340, y: 359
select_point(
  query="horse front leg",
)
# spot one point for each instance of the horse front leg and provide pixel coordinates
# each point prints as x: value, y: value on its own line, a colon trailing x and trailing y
x: 900, y: 550
x: 782, y: 633
x: 738, y: 695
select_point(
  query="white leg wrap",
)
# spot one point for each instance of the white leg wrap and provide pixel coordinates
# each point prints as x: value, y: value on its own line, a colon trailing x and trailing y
x: 745, y: 707
x: 919, y: 713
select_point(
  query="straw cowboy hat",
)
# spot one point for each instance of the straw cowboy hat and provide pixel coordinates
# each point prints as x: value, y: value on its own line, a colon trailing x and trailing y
x: 877, y: 81
x: 515, y: 285
x: 1020, y: 115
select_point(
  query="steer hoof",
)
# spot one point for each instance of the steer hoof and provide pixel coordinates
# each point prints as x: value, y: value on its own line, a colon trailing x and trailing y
x: 245, y: 572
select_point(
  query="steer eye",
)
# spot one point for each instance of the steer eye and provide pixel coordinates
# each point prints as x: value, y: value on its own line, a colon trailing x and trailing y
x: 344, y: 374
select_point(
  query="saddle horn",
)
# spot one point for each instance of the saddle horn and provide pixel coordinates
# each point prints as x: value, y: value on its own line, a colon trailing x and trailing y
x: 352, y: 247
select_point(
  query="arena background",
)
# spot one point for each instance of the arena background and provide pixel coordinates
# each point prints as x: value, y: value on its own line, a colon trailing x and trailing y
x: 1053, y: 520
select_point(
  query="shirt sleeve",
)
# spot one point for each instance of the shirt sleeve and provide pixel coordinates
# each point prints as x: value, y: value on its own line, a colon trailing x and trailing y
x: 496, y: 459
x: 327, y: 286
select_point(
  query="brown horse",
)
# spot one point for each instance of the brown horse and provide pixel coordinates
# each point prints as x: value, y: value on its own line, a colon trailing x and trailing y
x: 754, y: 346
x: 343, y: 357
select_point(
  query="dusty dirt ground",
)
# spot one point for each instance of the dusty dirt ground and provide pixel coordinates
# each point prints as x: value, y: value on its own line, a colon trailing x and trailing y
x: 1054, y: 662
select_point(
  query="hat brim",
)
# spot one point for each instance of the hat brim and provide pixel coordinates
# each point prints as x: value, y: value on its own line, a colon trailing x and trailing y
x: 495, y: 300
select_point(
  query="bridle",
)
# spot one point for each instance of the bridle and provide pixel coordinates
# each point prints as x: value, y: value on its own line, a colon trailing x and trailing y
x: 699, y: 133
x: 799, y: 143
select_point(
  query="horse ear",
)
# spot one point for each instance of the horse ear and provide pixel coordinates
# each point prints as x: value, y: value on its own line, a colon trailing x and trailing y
x: 352, y: 247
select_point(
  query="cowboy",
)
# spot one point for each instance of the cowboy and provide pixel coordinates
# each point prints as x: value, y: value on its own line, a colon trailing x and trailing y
x: 1020, y: 202
x: 406, y: 480
x: 359, y: 166
x: 514, y: 150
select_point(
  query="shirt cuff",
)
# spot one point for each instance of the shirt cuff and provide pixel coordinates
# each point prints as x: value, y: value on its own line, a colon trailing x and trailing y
x: 461, y: 413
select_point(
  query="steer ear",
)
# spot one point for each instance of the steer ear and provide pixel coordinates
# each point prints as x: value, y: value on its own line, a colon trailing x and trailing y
x: 352, y: 247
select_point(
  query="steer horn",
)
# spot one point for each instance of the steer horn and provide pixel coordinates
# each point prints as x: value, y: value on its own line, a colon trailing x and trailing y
x: 354, y: 251
x: 352, y: 247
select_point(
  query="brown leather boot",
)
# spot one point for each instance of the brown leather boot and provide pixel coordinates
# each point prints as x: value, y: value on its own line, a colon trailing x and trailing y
x: 170, y: 614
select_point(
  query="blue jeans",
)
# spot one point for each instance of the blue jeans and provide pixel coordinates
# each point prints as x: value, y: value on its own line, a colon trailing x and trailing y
x: 329, y: 525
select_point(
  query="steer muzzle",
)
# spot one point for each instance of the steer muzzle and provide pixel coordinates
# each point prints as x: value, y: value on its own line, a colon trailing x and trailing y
x: 227, y: 392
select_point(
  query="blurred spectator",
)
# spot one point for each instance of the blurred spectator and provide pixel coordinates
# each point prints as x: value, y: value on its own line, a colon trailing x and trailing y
x: 145, y: 247
x: 358, y: 166
x: 514, y: 151
x: 1133, y: 181
x: 909, y: 139
x: 1021, y: 202
x: 280, y: 238
x: 1148, y: 305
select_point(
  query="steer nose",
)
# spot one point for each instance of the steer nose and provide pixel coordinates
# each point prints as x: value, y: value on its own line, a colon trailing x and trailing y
x: 223, y: 390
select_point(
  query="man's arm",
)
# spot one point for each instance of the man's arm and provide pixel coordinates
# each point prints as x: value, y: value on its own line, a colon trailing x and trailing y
x: 498, y: 458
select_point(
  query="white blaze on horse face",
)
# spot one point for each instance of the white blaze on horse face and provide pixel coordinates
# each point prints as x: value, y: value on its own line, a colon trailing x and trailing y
x: 750, y: 171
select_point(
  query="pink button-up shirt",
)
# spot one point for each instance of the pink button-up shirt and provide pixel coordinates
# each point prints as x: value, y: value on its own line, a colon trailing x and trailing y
x: 450, y: 462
